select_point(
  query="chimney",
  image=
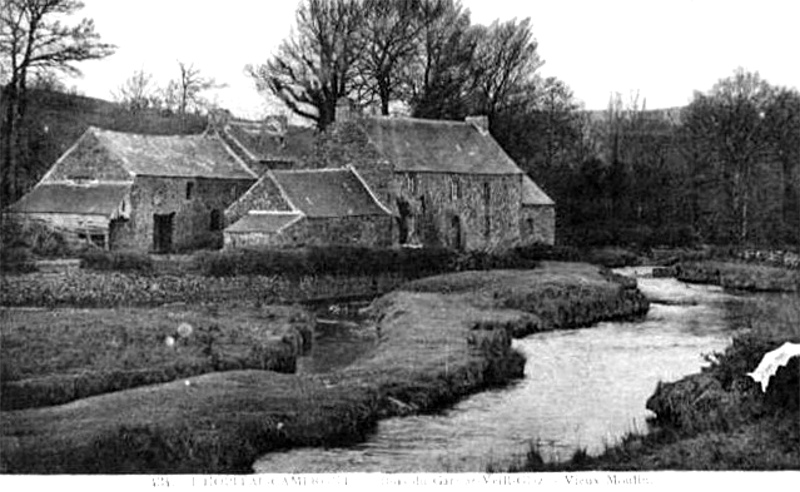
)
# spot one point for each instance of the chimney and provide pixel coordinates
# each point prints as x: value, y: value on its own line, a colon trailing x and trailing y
x: 481, y: 123
x: 344, y: 110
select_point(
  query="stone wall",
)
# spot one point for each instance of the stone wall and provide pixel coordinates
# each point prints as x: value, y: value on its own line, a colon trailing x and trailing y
x: 352, y: 231
x: 192, y: 213
x: 538, y: 224
x: 346, y: 143
x: 439, y: 201
x: 263, y: 195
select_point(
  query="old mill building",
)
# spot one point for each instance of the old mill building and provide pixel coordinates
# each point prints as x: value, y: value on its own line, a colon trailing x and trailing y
x: 377, y: 181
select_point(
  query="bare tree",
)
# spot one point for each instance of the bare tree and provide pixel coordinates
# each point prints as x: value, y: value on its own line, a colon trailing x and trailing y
x: 314, y: 67
x: 138, y: 92
x: 438, y: 79
x: 189, y: 87
x: 505, y: 61
x: 32, y: 39
x: 390, y: 36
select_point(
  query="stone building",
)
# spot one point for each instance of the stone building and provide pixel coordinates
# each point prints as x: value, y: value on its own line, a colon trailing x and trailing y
x: 309, y: 208
x: 143, y: 192
x: 366, y: 181
x: 449, y: 183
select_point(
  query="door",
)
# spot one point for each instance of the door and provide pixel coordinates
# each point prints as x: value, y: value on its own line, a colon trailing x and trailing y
x: 455, y: 233
x: 162, y: 233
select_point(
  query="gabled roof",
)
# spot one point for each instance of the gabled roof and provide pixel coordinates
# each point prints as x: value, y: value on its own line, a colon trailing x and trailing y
x: 417, y: 145
x: 260, y: 143
x: 328, y: 193
x: 532, y: 194
x: 205, y: 156
x: 94, y: 199
x: 267, y: 222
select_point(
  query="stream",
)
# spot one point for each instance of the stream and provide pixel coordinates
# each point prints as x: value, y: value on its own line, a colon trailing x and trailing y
x: 582, y: 388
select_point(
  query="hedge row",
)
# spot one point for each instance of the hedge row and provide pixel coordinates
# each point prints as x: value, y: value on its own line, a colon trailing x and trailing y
x: 333, y: 260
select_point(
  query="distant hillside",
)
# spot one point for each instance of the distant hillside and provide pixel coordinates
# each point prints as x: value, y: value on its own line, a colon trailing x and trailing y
x: 55, y: 120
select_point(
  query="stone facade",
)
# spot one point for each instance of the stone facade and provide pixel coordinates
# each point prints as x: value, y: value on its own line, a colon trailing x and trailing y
x: 461, y: 211
x: 263, y: 195
x: 196, y: 207
x: 538, y: 224
x: 342, y: 231
x: 347, y: 144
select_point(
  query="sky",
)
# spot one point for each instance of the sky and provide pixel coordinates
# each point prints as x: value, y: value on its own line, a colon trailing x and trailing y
x: 662, y: 50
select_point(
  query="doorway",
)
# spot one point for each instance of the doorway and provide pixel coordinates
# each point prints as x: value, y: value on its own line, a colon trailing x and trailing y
x: 456, y: 241
x: 162, y: 232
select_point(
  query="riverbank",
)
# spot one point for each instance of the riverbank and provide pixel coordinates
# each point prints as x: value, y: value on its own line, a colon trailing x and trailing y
x: 739, y: 276
x: 718, y: 419
x: 433, y: 346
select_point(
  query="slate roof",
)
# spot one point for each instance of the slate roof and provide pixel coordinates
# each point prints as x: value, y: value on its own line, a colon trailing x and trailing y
x: 182, y: 155
x: 262, y: 144
x: 532, y: 194
x: 95, y: 199
x: 416, y: 145
x: 270, y: 222
x: 327, y: 193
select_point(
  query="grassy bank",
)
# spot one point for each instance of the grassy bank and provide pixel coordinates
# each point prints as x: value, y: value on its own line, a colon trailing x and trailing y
x: 739, y: 276
x: 561, y: 295
x: 55, y: 356
x: 718, y: 419
x: 432, y: 348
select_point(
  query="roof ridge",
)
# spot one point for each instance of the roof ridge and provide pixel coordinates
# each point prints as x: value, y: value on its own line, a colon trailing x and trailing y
x: 309, y: 171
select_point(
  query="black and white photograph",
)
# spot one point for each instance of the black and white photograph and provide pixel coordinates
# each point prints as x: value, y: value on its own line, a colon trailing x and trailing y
x: 399, y: 243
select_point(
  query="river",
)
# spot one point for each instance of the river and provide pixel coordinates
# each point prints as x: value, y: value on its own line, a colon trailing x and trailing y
x: 582, y: 388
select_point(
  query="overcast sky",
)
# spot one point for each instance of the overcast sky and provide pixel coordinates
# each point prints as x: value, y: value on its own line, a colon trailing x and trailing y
x: 665, y: 50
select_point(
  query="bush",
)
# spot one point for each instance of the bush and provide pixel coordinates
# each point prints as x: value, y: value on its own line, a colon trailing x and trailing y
x: 40, y: 239
x: 17, y: 260
x: 349, y: 260
x: 120, y: 261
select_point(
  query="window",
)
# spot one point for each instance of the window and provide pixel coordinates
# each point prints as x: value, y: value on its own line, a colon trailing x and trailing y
x: 411, y: 183
x: 422, y: 205
x: 455, y: 189
x: 216, y: 220
x: 189, y: 190
x: 487, y: 192
x: 487, y: 227
x: 530, y: 226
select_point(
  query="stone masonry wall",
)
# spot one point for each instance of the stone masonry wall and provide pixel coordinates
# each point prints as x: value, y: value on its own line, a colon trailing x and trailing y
x: 447, y: 196
x: 263, y: 195
x: 538, y: 224
x: 168, y: 195
x: 352, y: 231
x: 346, y: 143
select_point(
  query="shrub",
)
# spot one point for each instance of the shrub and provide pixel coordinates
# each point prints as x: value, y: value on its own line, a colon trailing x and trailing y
x: 17, y: 260
x: 121, y: 261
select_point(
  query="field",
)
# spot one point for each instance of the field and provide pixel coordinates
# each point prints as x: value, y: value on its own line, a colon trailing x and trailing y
x: 55, y: 356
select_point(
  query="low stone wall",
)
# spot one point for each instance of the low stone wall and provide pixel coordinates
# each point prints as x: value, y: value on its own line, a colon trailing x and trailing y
x: 93, y: 289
